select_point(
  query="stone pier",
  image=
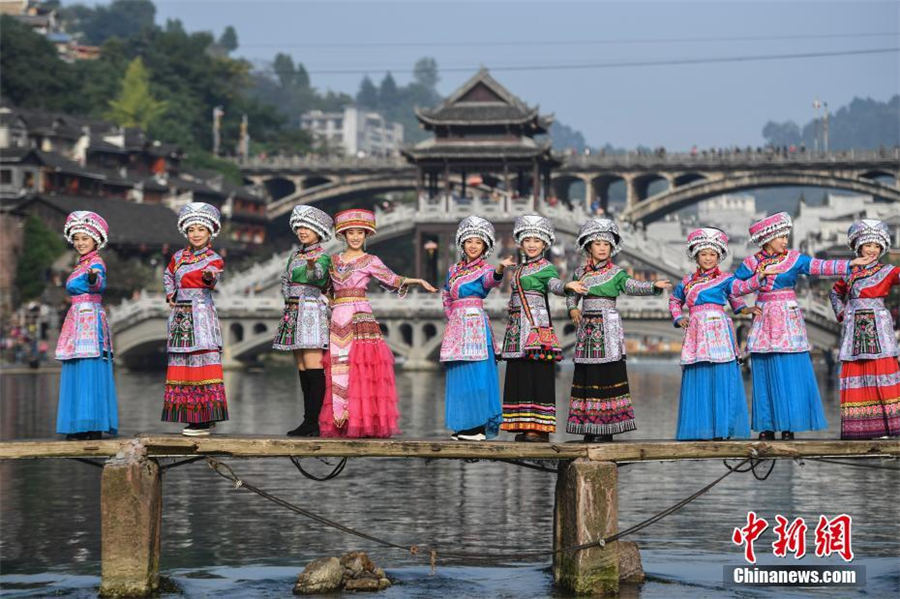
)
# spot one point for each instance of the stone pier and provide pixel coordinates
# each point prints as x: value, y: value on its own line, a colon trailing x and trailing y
x: 131, y: 519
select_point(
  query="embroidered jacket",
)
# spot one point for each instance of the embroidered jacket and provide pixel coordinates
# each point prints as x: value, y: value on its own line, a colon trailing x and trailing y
x: 85, y: 331
x: 781, y: 327
x: 189, y: 280
x: 529, y: 332
x: 468, y: 333
x: 709, y: 336
x: 858, y: 302
x: 599, y: 337
x: 304, y: 323
x: 297, y: 273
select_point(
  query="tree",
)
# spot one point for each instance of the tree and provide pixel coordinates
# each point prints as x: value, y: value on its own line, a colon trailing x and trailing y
x: 367, y: 95
x: 301, y: 77
x: 284, y: 70
x: 425, y: 72
x: 229, y: 39
x: 781, y: 134
x: 388, y: 95
x: 122, y: 19
x: 40, y: 248
x: 135, y: 106
x: 32, y: 73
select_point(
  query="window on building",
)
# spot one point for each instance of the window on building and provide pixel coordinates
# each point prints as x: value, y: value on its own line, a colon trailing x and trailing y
x: 5, y: 176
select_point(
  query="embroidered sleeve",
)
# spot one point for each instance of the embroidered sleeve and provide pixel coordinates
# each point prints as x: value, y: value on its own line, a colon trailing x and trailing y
x: 169, y: 277
x: 320, y: 270
x: 676, y: 302
x: 573, y: 298
x: 491, y: 279
x: 446, y: 300
x: 737, y: 288
x: 96, y: 280
x: 634, y: 287
x: 746, y: 269
x: 837, y: 296
x: 550, y: 276
x: 824, y: 268
x: 285, y: 277
x: 384, y: 275
x: 212, y: 272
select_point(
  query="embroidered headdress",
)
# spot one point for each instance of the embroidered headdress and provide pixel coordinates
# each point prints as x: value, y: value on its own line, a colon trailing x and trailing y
x: 355, y: 218
x: 313, y: 219
x: 707, y: 238
x: 600, y: 229
x: 199, y: 213
x: 533, y: 225
x: 475, y: 226
x: 869, y: 230
x: 765, y: 230
x: 90, y: 223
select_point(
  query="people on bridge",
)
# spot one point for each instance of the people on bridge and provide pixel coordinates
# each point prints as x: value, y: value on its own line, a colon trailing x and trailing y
x: 530, y: 345
x: 87, y: 390
x: 195, y: 391
x: 303, y: 328
x: 472, y: 387
x: 600, y: 401
x: 361, y: 397
x: 870, y: 376
x: 712, y: 403
x: 785, y: 393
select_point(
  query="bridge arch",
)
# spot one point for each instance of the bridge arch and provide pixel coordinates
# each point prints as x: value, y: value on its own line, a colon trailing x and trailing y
x: 649, y: 185
x: 661, y: 204
x: 880, y: 176
x: 279, y: 187
x: 688, y: 178
x: 315, y: 181
x: 565, y: 186
x: 336, y: 191
x: 236, y: 330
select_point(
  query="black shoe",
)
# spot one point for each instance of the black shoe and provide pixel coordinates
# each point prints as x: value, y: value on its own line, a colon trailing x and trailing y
x: 787, y: 436
x: 94, y: 435
x: 767, y: 436
x: 598, y: 438
x: 520, y: 437
x: 306, y: 429
x: 77, y: 437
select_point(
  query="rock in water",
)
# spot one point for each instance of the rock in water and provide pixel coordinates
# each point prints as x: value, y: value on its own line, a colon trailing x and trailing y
x: 323, y: 575
x: 356, y: 563
x: 363, y: 583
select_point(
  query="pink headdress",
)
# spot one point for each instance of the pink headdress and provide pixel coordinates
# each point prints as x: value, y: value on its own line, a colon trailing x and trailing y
x: 707, y: 238
x: 765, y: 230
x: 90, y: 223
x: 355, y: 218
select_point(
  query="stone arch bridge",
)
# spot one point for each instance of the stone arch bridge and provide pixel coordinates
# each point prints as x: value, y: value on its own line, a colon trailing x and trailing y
x: 654, y: 185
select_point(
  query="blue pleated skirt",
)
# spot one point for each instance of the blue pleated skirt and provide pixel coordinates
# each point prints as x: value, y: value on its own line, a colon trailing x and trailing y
x: 472, y: 395
x: 785, y: 393
x: 87, y: 397
x: 713, y: 403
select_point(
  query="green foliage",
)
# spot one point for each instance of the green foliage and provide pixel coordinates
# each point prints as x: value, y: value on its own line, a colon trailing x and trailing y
x: 122, y: 19
x: 40, y: 248
x: 32, y: 73
x: 367, y: 96
x: 229, y: 39
x: 862, y: 124
x: 135, y: 106
x: 425, y: 72
x: 200, y: 160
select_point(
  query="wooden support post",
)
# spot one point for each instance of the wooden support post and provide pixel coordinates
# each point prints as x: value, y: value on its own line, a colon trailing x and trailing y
x: 131, y: 519
x: 587, y: 509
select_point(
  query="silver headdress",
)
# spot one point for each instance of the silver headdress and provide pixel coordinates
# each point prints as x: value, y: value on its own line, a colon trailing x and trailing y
x: 90, y: 223
x: 199, y: 213
x: 600, y: 229
x: 869, y: 230
x: 771, y: 227
x: 533, y: 225
x: 313, y: 219
x: 475, y: 226
x: 707, y: 238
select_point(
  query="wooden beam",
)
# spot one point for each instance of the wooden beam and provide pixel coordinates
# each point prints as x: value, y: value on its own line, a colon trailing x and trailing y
x: 633, y: 451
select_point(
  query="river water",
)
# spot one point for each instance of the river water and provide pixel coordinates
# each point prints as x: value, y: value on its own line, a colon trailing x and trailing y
x: 218, y: 542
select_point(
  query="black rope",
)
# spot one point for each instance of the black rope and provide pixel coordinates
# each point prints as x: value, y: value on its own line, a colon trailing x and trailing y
x: 226, y: 472
x: 180, y: 462
x: 752, y: 465
x: 856, y: 465
x: 334, y: 473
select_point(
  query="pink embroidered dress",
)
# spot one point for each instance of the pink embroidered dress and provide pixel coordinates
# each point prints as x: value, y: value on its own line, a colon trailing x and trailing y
x: 359, y: 365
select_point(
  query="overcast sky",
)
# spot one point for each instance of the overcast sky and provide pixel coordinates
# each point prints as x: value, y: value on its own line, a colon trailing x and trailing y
x: 674, y: 105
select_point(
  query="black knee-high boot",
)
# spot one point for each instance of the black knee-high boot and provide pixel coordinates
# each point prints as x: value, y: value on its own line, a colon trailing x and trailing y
x: 316, y: 398
x: 305, y: 425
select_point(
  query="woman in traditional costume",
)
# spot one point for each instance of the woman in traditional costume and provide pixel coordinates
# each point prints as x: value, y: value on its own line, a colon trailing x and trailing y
x: 712, y: 404
x: 785, y: 392
x: 530, y: 345
x: 361, y: 400
x: 870, y: 377
x: 472, y: 389
x: 195, y: 390
x: 303, y: 328
x: 87, y: 390
x: 600, y: 402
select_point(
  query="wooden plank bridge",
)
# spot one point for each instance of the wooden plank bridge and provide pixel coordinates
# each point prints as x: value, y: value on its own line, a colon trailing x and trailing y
x: 131, y: 487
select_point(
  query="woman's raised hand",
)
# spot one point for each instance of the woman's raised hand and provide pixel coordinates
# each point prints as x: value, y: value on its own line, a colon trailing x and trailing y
x: 578, y: 287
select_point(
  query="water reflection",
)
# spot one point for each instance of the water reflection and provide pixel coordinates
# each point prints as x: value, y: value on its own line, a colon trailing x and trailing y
x: 50, y: 509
